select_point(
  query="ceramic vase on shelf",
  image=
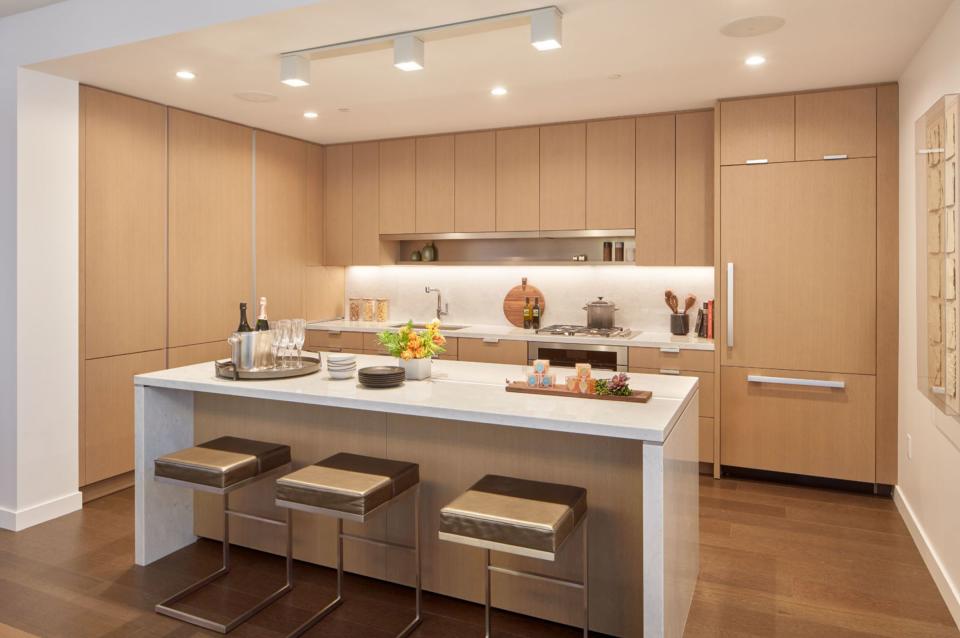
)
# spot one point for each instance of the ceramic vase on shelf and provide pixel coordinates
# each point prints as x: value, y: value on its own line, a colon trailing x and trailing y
x: 416, y: 369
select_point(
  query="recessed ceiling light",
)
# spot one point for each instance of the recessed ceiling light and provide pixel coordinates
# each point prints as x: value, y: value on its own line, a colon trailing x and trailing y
x: 498, y: 90
x: 755, y: 60
x: 343, y: 109
x: 311, y: 115
x: 295, y: 70
x: 614, y: 76
x: 545, y: 29
x: 408, y: 53
x: 186, y: 75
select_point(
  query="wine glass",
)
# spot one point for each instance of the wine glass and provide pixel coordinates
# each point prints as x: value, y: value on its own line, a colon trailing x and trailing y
x: 299, y: 329
x: 283, y: 327
x: 277, y: 340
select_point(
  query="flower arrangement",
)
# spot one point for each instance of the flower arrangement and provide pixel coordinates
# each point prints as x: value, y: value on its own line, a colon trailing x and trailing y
x: 407, y: 343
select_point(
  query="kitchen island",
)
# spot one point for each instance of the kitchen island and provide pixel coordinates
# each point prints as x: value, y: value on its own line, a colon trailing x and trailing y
x: 638, y: 463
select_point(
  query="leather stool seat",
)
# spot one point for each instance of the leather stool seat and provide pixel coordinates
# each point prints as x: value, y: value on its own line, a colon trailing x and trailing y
x: 222, y: 462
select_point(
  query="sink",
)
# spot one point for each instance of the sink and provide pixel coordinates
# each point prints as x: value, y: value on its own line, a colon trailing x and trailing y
x: 422, y: 326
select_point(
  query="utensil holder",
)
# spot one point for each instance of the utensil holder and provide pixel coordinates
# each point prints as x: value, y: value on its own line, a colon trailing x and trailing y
x: 679, y: 324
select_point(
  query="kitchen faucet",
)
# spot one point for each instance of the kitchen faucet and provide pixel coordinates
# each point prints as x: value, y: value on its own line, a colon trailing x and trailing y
x: 442, y: 309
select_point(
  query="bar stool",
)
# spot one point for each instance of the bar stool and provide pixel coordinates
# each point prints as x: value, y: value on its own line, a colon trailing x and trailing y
x: 354, y: 488
x: 222, y: 466
x: 515, y: 516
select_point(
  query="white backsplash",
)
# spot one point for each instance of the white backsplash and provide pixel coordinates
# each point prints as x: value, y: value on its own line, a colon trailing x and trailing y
x: 475, y: 293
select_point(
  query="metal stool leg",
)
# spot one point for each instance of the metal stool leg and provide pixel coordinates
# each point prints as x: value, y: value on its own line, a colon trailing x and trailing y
x: 416, y: 552
x: 586, y: 580
x: 486, y: 595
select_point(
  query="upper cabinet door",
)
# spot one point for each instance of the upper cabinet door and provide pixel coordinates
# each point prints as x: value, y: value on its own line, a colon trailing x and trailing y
x: 834, y: 124
x: 611, y: 174
x: 475, y: 182
x: 563, y: 176
x: 367, y: 248
x: 210, y: 232
x: 694, y: 224
x: 656, y: 190
x: 338, y: 205
x: 518, y: 179
x: 435, y: 184
x: 757, y: 130
x: 125, y: 215
x: 315, y: 205
x: 398, y: 186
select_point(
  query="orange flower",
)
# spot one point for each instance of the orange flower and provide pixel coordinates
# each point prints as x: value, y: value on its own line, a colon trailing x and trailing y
x: 439, y: 339
x: 406, y: 355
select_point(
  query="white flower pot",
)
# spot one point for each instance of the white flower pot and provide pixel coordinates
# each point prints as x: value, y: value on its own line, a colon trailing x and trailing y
x: 416, y: 369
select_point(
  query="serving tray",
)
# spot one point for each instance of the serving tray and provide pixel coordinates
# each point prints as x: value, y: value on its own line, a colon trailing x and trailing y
x: 226, y: 370
x: 637, y: 396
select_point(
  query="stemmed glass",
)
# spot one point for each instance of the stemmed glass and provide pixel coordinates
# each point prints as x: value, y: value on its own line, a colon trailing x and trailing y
x: 283, y: 330
x: 277, y: 340
x: 299, y: 332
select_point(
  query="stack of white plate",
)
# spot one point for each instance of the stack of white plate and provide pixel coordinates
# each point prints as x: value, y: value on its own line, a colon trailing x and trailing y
x: 341, y: 366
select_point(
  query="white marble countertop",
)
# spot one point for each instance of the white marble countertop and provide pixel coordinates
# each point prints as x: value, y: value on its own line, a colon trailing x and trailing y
x: 464, y: 391
x: 636, y: 340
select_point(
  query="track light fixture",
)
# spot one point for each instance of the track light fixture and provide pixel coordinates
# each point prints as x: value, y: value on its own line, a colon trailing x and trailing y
x: 408, y: 53
x: 545, y: 29
x: 295, y: 70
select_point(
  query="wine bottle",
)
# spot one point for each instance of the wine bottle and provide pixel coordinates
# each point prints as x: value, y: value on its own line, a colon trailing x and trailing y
x: 244, y: 326
x: 262, y: 323
x: 536, y: 313
x: 527, y: 314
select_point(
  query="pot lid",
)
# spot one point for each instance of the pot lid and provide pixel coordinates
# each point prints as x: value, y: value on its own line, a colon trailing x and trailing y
x: 600, y: 303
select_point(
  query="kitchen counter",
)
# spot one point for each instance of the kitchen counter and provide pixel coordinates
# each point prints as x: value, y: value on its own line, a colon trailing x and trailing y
x: 479, y: 331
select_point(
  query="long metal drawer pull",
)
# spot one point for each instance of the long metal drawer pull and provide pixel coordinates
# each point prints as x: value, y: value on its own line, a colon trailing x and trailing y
x: 757, y: 161
x: 669, y: 371
x: 491, y: 340
x: 730, y: 304
x: 835, y: 157
x: 814, y: 383
x: 671, y: 350
x: 335, y: 333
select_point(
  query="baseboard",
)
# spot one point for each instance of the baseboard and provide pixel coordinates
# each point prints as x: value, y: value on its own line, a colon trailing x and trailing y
x: 30, y: 516
x: 948, y: 589
x: 108, y: 486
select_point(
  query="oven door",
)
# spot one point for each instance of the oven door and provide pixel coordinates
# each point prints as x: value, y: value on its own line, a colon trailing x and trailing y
x: 568, y: 355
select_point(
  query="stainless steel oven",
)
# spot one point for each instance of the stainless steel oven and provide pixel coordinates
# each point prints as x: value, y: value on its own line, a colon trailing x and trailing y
x: 568, y: 355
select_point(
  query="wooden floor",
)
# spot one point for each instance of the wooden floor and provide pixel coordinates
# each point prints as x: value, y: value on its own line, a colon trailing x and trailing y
x: 776, y: 561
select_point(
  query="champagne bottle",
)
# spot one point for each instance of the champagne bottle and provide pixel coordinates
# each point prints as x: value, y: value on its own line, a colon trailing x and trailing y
x: 527, y: 314
x: 536, y: 313
x: 244, y: 326
x: 262, y: 323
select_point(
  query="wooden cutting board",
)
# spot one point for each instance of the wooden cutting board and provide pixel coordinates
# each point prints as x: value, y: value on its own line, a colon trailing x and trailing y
x: 517, y: 297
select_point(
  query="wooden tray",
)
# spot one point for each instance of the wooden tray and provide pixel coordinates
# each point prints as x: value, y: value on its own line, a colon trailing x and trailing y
x: 515, y: 299
x: 638, y: 396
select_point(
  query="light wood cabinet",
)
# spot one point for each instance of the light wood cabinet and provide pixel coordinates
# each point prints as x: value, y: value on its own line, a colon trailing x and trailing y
x: 518, y: 179
x: 210, y: 230
x: 563, y: 176
x: 816, y: 431
x: 656, y: 190
x: 706, y: 439
x: 435, y: 183
x: 706, y: 385
x: 198, y: 353
x: 694, y: 198
x: 757, y: 130
x: 671, y: 358
x: 314, y: 205
x: 281, y: 201
x: 804, y: 298
x: 335, y: 340
x: 837, y: 123
x: 611, y: 174
x: 475, y: 182
x: 338, y: 205
x: 367, y: 247
x: 398, y: 186
x: 107, y: 445
x: 493, y: 351
x: 124, y: 211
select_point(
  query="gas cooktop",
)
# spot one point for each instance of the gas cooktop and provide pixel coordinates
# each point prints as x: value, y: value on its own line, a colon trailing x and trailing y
x: 583, y: 331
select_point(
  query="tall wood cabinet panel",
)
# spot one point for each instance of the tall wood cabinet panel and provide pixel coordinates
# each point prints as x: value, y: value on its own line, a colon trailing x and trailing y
x: 434, y: 184
x: 398, y: 186
x: 757, y: 130
x: 563, y: 176
x: 611, y: 174
x: 338, y: 204
x: 107, y: 447
x: 125, y: 202
x: 475, y: 182
x: 367, y: 247
x: 804, y: 298
x: 832, y: 123
x: 197, y: 353
x: 656, y: 190
x: 281, y: 222
x: 210, y: 226
x: 694, y: 206
x: 518, y: 179
x: 314, y: 205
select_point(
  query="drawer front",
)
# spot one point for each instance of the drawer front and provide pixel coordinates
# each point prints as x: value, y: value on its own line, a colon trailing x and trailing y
x: 672, y: 358
x: 772, y: 423
x: 706, y: 385
x: 706, y: 440
x: 493, y: 351
x: 331, y: 340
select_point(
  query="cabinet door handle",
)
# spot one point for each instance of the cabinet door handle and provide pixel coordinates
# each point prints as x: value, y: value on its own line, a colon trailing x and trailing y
x: 835, y: 157
x: 938, y: 389
x: 730, y: 304
x: 335, y: 349
x: 813, y: 383
x: 335, y: 333
x: 671, y: 350
x: 493, y: 340
x: 762, y: 160
x: 669, y: 371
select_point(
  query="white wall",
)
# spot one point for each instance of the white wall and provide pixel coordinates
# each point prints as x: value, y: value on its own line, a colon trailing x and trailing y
x: 928, y: 491
x: 36, y: 226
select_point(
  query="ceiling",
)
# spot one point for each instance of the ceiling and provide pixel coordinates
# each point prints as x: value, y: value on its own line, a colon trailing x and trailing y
x: 9, y: 7
x: 667, y: 55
